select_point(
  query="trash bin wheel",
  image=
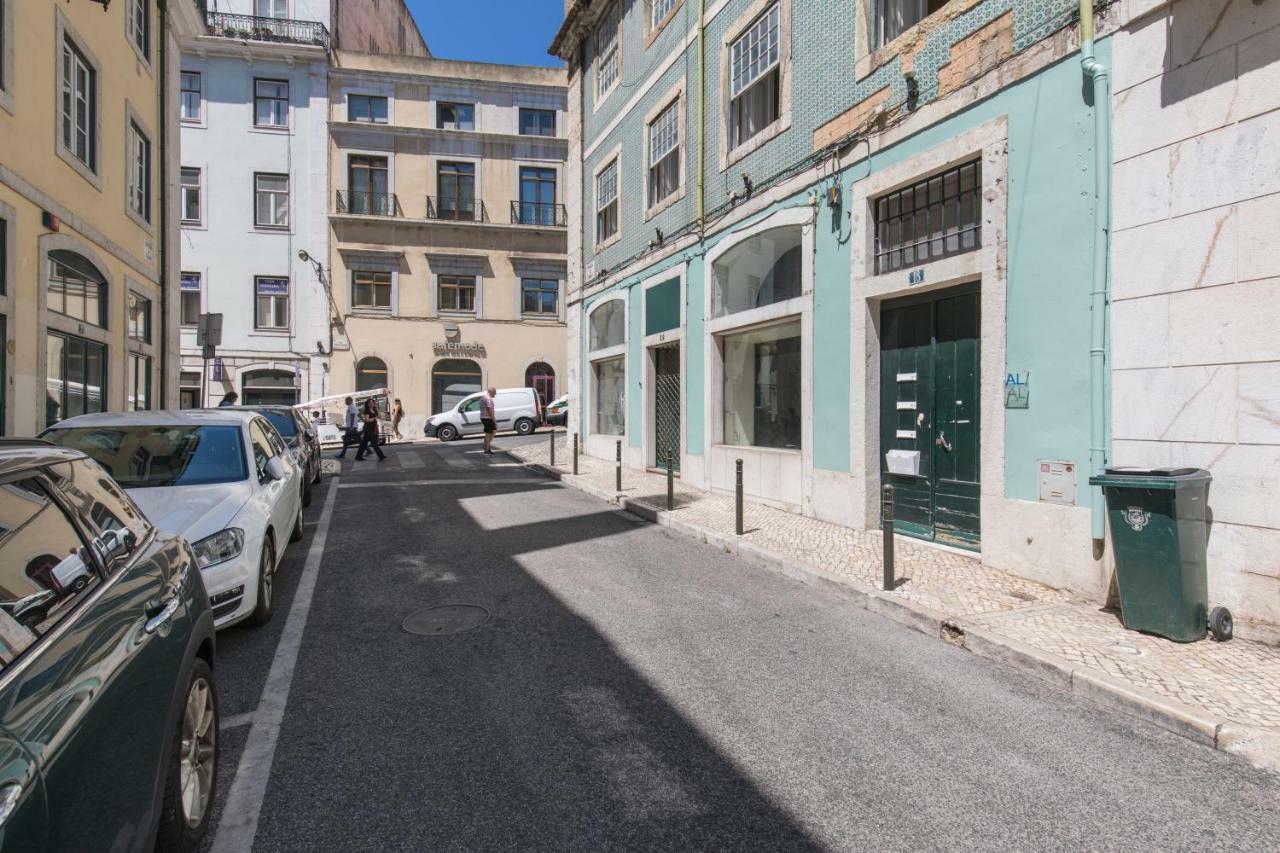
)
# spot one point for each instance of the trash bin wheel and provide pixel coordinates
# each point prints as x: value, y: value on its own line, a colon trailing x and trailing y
x: 1220, y: 623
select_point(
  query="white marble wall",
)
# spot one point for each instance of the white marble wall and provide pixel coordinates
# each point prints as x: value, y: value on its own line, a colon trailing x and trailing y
x: 1196, y: 271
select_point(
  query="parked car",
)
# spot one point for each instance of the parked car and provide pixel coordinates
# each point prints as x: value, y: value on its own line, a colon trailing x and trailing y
x: 301, y: 439
x: 558, y: 411
x: 108, y: 705
x: 222, y: 478
x: 516, y: 409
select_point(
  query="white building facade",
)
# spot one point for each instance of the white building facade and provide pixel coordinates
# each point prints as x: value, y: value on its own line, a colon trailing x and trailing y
x: 252, y: 199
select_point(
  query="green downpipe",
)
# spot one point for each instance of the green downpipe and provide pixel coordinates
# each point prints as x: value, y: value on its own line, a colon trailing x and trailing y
x: 1099, y: 294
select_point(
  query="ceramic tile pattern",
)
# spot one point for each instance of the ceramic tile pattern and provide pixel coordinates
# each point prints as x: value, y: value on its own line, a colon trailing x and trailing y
x: 1237, y: 681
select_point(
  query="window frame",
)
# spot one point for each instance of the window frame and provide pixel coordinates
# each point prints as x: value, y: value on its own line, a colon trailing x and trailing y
x: 273, y: 195
x: 730, y: 153
x: 69, y: 42
x: 199, y: 294
x: 184, y: 191
x: 134, y: 362
x: 131, y: 297
x: 369, y: 98
x: 139, y: 11
x: 139, y: 168
x: 654, y: 27
x: 457, y: 168
x: 6, y: 55
x: 673, y: 98
x: 611, y: 160
x: 880, y: 256
x: 104, y: 294
x: 611, y: 16
x: 372, y: 307
x: 523, y: 111
x: 275, y: 299
x: 183, y: 92
x: 456, y: 286
x: 541, y: 291
x: 286, y: 100
x: 105, y: 386
x: 597, y: 364
x: 441, y: 106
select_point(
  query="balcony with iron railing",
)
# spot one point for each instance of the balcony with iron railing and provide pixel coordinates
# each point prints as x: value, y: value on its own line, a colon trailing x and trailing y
x: 254, y: 28
x: 539, y: 213
x: 454, y: 209
x: 369, y: 204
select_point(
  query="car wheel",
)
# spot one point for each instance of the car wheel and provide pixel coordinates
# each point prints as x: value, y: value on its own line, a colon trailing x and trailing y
x: 447, y: 433
x: 266, y: 582
x: 193, y: 767
x: 295, y: 534
x: 306, y: 491
x: 524, y: 426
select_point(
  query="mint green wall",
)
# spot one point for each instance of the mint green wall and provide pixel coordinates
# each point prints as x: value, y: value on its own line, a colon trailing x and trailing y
x: 1050, y: 232
x: 635, y: 366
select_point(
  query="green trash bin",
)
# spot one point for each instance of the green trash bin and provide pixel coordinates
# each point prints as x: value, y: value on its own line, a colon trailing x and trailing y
x: 1159, y: 533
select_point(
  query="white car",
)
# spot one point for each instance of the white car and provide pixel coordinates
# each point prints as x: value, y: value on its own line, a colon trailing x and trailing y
x: 222, y: 478
x: 516, y: 409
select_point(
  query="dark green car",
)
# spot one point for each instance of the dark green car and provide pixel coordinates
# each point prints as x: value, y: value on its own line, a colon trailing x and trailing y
x: 108, y: 711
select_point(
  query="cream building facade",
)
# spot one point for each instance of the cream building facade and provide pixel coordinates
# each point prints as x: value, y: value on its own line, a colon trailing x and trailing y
x: 448, y: 228
x: 88, y: 238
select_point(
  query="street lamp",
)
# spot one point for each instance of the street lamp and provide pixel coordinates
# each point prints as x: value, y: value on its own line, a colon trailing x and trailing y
x: 305, y: 257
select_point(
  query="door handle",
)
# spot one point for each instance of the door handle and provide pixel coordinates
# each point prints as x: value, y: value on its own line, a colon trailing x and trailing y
x: 942, y: 441
x: 9, y: 796
x: 155, y: 623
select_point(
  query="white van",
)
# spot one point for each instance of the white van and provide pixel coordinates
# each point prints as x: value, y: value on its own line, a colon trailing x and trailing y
x: 516, y: 409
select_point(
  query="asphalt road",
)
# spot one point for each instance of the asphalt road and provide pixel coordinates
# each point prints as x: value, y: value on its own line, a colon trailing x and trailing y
x: 633, y: 690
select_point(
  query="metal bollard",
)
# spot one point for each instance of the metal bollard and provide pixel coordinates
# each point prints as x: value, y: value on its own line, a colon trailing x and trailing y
x: 618, y: 470
x: 737, y: 500
x: 575, y: 454
x: 553, y: 448
x: 886, y: 520
x: 671, y: 485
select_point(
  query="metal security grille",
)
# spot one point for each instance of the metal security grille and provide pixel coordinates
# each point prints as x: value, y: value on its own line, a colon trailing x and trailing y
x: 934, y: 218
x: 666, y: 406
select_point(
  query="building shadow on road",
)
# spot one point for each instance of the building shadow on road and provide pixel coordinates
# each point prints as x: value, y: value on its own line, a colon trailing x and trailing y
x: 530, y: 732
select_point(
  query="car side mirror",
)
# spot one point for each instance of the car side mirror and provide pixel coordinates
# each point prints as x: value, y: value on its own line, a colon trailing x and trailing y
x: 274, y: 468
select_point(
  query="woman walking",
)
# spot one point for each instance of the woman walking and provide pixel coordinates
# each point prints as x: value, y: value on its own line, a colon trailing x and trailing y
x: 397, y: 415
x: 369, y: 433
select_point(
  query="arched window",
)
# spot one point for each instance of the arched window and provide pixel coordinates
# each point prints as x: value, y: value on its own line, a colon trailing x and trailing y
x: 608, y: 327
x: 759, y: 271
x: 371, y: 374
x: 452, y: 379
x: 76, y: 288
x: 268, y: 388
x: 541, y: 377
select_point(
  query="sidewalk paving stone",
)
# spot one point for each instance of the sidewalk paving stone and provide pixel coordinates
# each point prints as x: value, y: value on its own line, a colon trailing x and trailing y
x: 1237, y: 682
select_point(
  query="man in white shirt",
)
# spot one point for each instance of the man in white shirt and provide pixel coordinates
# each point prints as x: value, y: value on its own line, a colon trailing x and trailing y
x: 488, y: 418
x: 350, y: 428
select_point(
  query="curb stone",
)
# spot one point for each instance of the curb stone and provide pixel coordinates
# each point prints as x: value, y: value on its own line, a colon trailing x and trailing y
x: 1259, y: 747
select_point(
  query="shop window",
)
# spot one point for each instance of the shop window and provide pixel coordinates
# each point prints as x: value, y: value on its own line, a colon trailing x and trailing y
x: 610, y: 396
x: 762, y: 375
x: 761, y: 270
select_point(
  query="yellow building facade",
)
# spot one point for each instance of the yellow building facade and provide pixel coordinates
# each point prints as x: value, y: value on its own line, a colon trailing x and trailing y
x: 447, y: 263
x: 88, y: 162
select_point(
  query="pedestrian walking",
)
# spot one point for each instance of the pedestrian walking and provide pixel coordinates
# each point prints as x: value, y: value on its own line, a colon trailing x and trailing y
x: 397, y: 415
x: 350, y: 427
x: 488, y: 419
x: 369, y: 433
x: 230, y: 400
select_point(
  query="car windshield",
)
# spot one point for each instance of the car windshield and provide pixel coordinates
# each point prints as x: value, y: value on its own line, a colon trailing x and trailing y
x: 284, y: 424
x: 147, y: 456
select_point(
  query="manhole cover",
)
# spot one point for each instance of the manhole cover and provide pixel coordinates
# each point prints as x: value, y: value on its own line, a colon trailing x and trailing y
x: 446, y: 619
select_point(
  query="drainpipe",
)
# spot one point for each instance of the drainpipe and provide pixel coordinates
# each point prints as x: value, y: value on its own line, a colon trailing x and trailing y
x: 1099, y: 294
x: 162, y: 59
x: 702, y: 139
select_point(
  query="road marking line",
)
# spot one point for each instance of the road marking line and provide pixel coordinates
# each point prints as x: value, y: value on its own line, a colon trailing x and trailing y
x: 464, y: 481
x: 236, y: 721
x: 238, y: 825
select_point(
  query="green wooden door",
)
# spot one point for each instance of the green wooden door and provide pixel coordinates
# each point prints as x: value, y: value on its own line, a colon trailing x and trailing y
x: 929, y: 368
x: 666, y: 406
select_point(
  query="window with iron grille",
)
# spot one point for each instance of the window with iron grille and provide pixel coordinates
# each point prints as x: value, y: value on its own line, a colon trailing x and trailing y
x: 664, y: 154
x: 608, y: 60
x: 607, y: 202
x: 755, y: 77
x: 370, y: 289
x: 190, y: 84
x: 457, y: 293
x: 931, y: 219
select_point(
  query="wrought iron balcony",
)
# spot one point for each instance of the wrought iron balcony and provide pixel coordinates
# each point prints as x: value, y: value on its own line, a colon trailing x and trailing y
x: 254, y: 28
x: 369, y: 204
x: 454, y: 209
x: 539, y: 213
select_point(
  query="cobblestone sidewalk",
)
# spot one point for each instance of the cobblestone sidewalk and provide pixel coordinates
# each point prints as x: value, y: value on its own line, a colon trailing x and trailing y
x: 1237, y: 681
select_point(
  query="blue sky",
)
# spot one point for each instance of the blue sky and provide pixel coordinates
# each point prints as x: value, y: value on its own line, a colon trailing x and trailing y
x: 515, y: 32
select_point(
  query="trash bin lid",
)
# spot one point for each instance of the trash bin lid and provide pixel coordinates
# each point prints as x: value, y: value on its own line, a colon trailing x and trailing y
x: 1150, y: 478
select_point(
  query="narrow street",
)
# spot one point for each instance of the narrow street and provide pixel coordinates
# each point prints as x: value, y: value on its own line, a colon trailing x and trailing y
x: 631, y: 689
